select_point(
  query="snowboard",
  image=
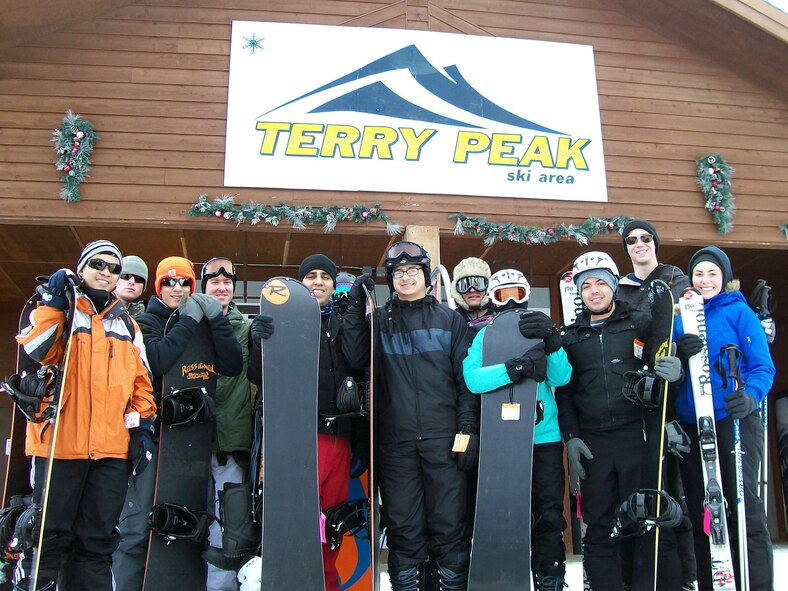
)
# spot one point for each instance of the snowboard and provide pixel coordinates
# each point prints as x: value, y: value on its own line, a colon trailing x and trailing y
x: 501, y: 554
x: 291, y: 525
x: 184, y: 469
x: 693, y: 319
x: 660, y: 302
x: 374, y: 498
x: 571, y: 303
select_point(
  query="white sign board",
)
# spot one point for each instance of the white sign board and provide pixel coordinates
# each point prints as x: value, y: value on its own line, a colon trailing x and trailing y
x: 350, y: 109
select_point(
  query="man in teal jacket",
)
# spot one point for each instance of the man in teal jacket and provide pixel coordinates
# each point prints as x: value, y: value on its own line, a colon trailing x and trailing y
x: 548, y: 366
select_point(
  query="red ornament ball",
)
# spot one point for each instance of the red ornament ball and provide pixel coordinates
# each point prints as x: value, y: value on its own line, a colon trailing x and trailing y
x: 551, y: 231
x: 477, y: 228
x: 76, y: 143
x: 66, y: 167
x: 717, y: 207
x: 218, y: 213
x: 610, y: 225
x: 365, y: 214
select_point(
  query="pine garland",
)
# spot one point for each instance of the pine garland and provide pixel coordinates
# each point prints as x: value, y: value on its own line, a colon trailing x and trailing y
x: 714, y: 179
x: 329, y: 215
x: 494, y: 232
x: 73, y: 145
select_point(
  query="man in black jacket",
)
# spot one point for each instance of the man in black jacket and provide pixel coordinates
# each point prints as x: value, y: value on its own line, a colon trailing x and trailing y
x: 421, y: 404
x: 175, y: 283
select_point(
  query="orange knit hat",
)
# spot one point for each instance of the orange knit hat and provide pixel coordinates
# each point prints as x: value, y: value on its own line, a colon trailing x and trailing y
x: 174, y: 267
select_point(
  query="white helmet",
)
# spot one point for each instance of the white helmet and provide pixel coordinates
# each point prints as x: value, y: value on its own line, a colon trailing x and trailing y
x: 250, y: 575
x: 508, y: 284
x: 594, y: 260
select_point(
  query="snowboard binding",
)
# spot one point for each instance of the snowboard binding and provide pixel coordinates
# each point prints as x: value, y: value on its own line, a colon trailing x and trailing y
x: 26, y: 529
x: 643, y: 387
x: 176, y: 522
x: 644, y: 510
x: 189, y: 405
x: 30, y: 390
x: 9, y: 550
x: 346, y: 518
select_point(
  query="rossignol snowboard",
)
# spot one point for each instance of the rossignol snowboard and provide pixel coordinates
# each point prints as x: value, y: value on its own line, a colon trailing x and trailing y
x: 291, y: 539
x: 501, y: 555
x: 693, y: 319
x: 571, y: 303
x: 179, y: 520
x: 660, y: 301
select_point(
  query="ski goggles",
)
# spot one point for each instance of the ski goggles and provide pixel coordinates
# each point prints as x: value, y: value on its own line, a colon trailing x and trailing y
x: 405, y: 250
x: 101, y: 264
x: 341, y: 292
x: 227, y: 270
x: 644, y: 238
x: 173, y: 281
x: 475, y: 282
x: 501, y: 295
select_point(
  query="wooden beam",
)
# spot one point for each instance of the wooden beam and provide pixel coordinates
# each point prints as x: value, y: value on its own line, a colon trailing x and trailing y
x: 286, y: 249
x: 385, y: 250
x: 184, y: 248
x: 76, y: 235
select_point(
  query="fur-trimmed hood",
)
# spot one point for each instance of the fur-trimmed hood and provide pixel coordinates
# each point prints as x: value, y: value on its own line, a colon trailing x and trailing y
x: 469, y: 267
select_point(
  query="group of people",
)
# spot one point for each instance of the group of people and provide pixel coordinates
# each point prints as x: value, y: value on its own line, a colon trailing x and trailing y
x: 429, y: 376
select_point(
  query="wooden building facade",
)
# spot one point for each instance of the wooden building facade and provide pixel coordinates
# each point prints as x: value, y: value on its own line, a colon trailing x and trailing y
x: 676, y: 79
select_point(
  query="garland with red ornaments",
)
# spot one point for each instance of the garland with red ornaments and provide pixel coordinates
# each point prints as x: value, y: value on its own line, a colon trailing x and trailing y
x: 224, y: 207
x: 495, y: 232
x: 74, y: 142
x: 714, y: 179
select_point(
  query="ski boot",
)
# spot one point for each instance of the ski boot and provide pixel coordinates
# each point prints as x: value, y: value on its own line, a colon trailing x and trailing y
x: 453, y: 577
x: 239, y: 534
x: 409, y: 579
x: 550, y: 578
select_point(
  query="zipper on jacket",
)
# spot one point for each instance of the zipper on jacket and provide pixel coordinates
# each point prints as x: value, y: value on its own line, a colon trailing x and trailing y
x: 604, y: 373
x: 110, y: 349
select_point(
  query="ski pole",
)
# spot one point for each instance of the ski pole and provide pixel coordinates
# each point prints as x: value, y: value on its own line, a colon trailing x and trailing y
x: 734, y: 374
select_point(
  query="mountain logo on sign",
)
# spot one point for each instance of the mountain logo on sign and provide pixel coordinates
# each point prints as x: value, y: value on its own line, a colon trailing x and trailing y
x: 449, y: 87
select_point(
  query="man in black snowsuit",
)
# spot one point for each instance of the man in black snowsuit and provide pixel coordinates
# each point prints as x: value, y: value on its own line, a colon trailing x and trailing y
x: 421, y: 404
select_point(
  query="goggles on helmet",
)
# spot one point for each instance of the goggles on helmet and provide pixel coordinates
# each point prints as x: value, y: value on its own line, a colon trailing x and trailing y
x: 466, y: 284
x: 503, y: 294
x: 227, y: 270
x: 341, y: 292
x: 405, y: 251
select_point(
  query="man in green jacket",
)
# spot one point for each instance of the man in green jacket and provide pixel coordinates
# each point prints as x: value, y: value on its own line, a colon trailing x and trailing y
x: 233, y: 542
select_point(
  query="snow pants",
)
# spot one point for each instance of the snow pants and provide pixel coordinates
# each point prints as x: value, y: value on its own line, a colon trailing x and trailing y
x: 333, y: 471
x: 84, y: 504
x: 547, y: 508
x: 423, y: 503
x: 759, y: 545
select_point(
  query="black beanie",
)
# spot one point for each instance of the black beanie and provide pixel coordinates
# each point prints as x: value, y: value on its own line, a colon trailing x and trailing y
x: 716, y: 256
x: 643, y: 225
x: 317, y: 261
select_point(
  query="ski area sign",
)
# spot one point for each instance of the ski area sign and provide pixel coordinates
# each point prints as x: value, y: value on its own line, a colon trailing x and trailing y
x: 351, y: 109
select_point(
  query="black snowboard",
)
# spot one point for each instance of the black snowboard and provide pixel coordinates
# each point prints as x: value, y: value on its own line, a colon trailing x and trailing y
x: 184, y: 469
x: 501, y: 554
x: 660, y: 300
x: 291, y: 540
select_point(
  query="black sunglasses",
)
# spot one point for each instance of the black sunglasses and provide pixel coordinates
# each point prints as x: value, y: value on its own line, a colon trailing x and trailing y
x: 130, y: 276
x: 101, y: 264
x: 644, y: 238
x: 173, y: 281
x: 466, y: 284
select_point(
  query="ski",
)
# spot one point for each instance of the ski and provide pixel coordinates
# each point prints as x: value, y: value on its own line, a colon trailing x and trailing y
x: 694, y: 320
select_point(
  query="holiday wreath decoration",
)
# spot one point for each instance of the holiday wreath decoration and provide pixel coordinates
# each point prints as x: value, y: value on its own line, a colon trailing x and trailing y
x: 495, y: 232
x: 714, y: 179
x: 224, y: 207
x: 74, y: 142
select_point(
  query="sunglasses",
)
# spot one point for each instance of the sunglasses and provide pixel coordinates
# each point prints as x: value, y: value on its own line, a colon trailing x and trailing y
x: 400, y: 273
x: 173, y: 281
x: 644, y: 238
x: 466, y: 284
x: 101, y: 264
x: 131, y: 277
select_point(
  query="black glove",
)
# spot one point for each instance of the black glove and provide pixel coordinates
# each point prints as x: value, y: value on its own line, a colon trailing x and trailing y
x: 357, y: 293
x: 469, y: 459
x: 54, y: 292
x: 532, y: 364
x: 739, y: 404
x: 141, y: 446
x: 688, y: 345
x: 262, y: 328
x: 538, y: 325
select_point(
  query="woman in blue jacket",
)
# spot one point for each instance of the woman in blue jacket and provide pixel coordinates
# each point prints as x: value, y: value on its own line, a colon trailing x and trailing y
x: 729, y: 321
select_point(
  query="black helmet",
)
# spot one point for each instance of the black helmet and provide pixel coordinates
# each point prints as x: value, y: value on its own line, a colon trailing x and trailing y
x: 407, y: 253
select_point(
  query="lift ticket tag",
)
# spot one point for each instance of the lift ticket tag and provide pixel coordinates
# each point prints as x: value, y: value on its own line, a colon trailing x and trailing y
x: 510, y: 412
x: 461, y: 442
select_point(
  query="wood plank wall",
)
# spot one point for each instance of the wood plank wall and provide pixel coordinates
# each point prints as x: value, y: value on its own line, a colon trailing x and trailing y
x: 152, y: 78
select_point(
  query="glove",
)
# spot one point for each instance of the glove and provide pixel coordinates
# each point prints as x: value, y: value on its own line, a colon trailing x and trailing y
x: 141, y: 446
x: 532, y: 364
x: 209, y: 304
x: 357, y: 293
x: 189, y: 307
x: 739, y: 404
x: 669, y: 366
x: 688, y: 345
x: 677, y: 440
x: 575, y: 448
x: 469, y: 459
x: 262, y: 328
x: 770, y: 329
x: 54, y: 292
x: 538, y: 325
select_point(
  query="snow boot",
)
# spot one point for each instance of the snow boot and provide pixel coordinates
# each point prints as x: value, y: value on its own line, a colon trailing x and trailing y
x: 239, y: 534
x: 453, y: 577
x: 550, y: 578
x: 409, y: 579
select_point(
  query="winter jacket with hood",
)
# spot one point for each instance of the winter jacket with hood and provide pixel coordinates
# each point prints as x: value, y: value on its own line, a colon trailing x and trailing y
x: 419, y: 384
x: 107, y: 376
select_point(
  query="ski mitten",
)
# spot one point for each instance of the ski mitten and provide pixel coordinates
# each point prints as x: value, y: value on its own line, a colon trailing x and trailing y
x: 739, y: 404
x: 538, y: 325
x: 669, y: 366
x: 209, y: 304
x: 688, y: 345
x: 188, y: 306
x: 141, y: 446
x: 54, y: 291
x: 357, y: 294
x: 532, y: 364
